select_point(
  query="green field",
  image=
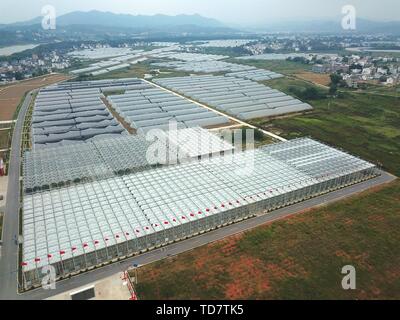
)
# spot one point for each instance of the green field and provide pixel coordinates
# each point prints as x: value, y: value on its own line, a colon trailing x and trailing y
x: 287, y: 85
x: 260, y: 139
x: 4, y: 143
x: 1, y: 224
x: 4, y: 138
x: 367, y: 125
x: 393, y: 91
x: 281, y: 66
x: 138, y: 71
x: 296, y: 258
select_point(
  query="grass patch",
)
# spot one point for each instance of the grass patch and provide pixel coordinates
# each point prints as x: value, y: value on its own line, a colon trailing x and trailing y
x: 280, y: 66
x: 20, y: 105
x: 296, y: 258
x: 260, y: 139
x: 5, y: 143
x: 291, y: 85
x: 5, y: 138
x: 114, y: 93
x: 1, y: 224
x: 138, y: 71
x: 393, y: 91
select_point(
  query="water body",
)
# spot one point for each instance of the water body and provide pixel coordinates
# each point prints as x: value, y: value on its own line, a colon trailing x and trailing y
x: 366, y: 49
x: 273, y: 56
x: 8, y: 51
x: 284, y: 56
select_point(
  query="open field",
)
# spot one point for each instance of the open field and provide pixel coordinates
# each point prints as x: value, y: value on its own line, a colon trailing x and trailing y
x: 366, y: 125
x: 260, y: 139
x: 290, y: 69
x: 297, y: 258
x: 280, y: 66
x: 138, y: 71
x: 393, y: 91
x: 317, y: 78
x: 11, y: 95
x: 5, y: 141
x: 289, y: 85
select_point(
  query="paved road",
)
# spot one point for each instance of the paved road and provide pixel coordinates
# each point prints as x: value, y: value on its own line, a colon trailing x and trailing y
x: 189, y: 244
x: 9, y: 255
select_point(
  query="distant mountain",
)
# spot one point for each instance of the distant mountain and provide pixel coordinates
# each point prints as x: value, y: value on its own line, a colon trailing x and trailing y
x: 188, y: 23
x: 330, y: 26
x: 98, y: 26
x: 99, y: 18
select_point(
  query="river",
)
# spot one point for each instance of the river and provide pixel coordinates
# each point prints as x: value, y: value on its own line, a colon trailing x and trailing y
x: 7, y: 51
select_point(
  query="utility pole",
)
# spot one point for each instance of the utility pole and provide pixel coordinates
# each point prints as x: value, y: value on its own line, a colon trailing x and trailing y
x: 135, y: 266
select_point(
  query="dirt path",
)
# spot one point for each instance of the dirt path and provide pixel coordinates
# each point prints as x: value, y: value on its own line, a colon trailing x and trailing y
x: 118, y: 117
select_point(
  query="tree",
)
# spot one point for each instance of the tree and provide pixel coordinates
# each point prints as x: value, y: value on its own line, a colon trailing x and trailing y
x: 19, y: 76
x: 336, y: 79
x: 311, y: 93
x: 333, y: 88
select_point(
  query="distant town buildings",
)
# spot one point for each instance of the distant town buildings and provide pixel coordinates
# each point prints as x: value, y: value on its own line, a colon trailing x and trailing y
x: 355, y: 69
x: 341, y: 54
x: 33, y: 66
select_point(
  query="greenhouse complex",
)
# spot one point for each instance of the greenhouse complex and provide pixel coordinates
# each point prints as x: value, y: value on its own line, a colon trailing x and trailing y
x: 243, y: 98
x: 96, y: 190
x: 95, y: 219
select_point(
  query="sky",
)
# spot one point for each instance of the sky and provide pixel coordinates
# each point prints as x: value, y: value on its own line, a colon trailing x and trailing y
x: 239, y: 12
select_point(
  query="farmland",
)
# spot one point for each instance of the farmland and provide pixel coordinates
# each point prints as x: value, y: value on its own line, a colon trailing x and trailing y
x: 137, y: 71
x: 281, y: 66
x: 296, y: 258
x: 290, y: 69
x: 317, y: 78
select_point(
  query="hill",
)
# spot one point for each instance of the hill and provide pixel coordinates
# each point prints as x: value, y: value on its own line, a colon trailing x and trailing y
x: 331, y: 26
x: 99, y: 18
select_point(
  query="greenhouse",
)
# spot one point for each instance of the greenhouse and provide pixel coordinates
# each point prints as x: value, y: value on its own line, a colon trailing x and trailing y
x: 204, y: 66
x: 77, y: 227
x: 104, y: 157
x: 74, y: 111
x: 255, y: 75
x: 242, y: 98
x: 154, y: 108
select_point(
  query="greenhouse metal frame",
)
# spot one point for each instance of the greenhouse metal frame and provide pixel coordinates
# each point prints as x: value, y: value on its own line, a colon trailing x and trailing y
x: 148, y: 109
x: 83, y: 226
x: 105, y: 157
